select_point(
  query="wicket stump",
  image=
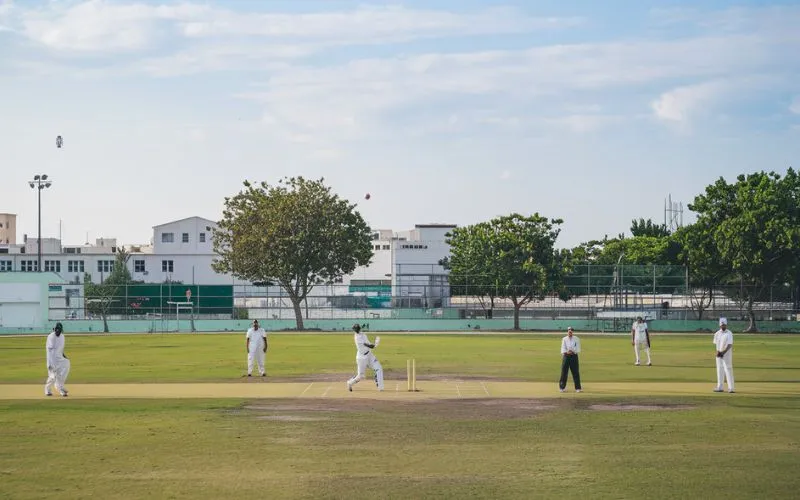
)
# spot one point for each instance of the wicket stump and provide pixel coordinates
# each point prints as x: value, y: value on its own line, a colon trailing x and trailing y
x: 411, y: 370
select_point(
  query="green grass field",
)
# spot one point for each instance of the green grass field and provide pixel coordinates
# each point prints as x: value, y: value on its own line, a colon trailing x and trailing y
x: 636, y: 432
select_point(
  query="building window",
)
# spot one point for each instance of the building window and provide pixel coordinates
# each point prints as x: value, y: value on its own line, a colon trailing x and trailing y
x: 3, y: 250
x: 5, y: 266
x: 167, y: 237
x: 386, y: 247
x: 185, y: 238
x: 28, y: 266
x: 167, y: 266
x: 202, y: 237
x: 52, y: 266
x: 105, y: 266
x: 75, y: 266
x: 138, y: 266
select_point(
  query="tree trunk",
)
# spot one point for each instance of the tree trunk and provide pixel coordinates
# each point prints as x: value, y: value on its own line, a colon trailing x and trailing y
x: 751, y: 328
x: 516, y: 315
x: 298, y: 312
x: 105, y: 323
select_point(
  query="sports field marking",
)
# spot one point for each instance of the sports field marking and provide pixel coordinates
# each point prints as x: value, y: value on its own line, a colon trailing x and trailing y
x: 306, y: 389
x: 426, y: 390
x: 484, y: 388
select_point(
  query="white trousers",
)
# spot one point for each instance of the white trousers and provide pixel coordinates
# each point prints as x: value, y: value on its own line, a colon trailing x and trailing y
x: 256, y: 358
x: 725, y: 370
x: 57, y: 376
x: 369, y: 361
x: 638, y: 345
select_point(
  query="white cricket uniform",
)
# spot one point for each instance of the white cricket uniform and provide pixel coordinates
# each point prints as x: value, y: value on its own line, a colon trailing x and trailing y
x: 57, y: 365
x: 256, y: 354
x: 724, y: 364
x: 366, y: 359
x: 640, y: 340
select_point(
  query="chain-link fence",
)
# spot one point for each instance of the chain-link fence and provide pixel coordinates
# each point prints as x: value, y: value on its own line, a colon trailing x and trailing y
x: 593, y: 292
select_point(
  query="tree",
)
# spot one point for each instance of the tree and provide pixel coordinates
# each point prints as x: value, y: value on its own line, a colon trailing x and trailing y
x: 755, y: 225
x: 104, y: 298
x: 700, y: 253
x: 648, y: 228
x: 297, y: 234
x: 473, y: 279
x: 514, y: 255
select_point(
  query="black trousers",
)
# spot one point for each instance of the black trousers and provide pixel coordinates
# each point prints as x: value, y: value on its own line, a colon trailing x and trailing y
x: 569, y: 362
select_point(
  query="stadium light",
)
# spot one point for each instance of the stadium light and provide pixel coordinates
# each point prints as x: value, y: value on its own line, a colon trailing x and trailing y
x: 39, y: 183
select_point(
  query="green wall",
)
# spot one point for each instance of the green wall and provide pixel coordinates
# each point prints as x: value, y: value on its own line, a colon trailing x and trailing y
x: 411, y: 325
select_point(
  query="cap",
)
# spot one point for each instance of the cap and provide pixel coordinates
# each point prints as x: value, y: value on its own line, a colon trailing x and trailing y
x: 59, y: 327
x: 356, y: 328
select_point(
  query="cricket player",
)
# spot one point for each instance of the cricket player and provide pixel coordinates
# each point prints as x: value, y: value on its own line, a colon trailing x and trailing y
x: 723, y: 341
x: 57, y: 363
x: 365, y: 358
x: 640, y: 339
x: 570, y: 348
x: 256, y: 344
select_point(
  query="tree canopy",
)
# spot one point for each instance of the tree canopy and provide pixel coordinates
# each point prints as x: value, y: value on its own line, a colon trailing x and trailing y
x: 755, y: 226
x: 513, y: 256
x: 297, y: 234
x: 647, y: 227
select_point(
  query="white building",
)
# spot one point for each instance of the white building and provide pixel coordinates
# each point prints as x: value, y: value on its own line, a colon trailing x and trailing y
x: 404, y: 264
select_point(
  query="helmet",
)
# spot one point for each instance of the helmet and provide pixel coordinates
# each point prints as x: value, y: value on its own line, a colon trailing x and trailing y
x: 59, y: 327
x: 357, y: 328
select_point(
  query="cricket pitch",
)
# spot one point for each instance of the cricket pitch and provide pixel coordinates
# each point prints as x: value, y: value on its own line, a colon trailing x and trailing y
x: 393, y: 390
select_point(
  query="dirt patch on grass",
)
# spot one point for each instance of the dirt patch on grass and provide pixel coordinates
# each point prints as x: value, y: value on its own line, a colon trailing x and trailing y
x: 455, y: 409
x: 638, y: 407
x: 289, y: 418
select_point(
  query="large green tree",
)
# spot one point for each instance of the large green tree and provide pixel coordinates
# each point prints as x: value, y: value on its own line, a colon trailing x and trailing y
x: 755, y: 225
x: 706, y: 269
x: 513, y: 255
x: 297, y: 234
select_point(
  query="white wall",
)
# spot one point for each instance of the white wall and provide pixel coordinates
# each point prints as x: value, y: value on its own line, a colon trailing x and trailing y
x: 19, y: 305
x: 193, y: 228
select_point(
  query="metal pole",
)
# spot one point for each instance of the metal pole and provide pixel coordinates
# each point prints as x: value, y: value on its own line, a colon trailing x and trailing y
x: 39, y: 240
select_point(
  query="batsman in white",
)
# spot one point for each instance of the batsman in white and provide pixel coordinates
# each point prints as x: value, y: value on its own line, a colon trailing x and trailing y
x: 57, y: 363
x: 641, y: 339
x: 723, y: 341
x: 365, y: 358
x: 256, y: 345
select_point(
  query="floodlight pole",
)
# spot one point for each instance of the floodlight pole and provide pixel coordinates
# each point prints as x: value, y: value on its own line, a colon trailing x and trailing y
x: 39, y: 183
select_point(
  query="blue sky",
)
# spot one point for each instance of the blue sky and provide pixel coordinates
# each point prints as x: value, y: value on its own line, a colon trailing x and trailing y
x: 445, y: 111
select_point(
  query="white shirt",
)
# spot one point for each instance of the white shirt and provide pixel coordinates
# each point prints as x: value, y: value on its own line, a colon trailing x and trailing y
x: 570, y: 344
x: 256, y: 339
x: 641, y: 330
x: 722, y: 339
x: 361, y: 349
x: 55, y: 348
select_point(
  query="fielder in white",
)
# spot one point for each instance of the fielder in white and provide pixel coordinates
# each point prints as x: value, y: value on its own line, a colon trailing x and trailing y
x: 723, y: 341
x: 365, y: 358
x: 256, y: 343
x: 57, y: 363
x: 641, y: 339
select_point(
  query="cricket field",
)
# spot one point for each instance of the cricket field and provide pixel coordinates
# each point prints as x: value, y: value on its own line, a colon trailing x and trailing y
x: 172, y: 416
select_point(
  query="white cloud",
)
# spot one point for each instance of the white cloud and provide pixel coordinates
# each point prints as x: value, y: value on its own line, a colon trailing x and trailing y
x: 505, y: 175
x: 103, y: 26
x: 98, y: 25
x: 794, y: 107
x: 679, y: 104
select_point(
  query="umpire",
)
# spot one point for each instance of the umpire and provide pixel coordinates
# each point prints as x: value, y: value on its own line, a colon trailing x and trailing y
x: 570, y: 347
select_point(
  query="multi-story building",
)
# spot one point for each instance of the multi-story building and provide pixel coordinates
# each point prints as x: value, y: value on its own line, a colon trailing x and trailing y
x: 405, y: 265
x: 8, y: 230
